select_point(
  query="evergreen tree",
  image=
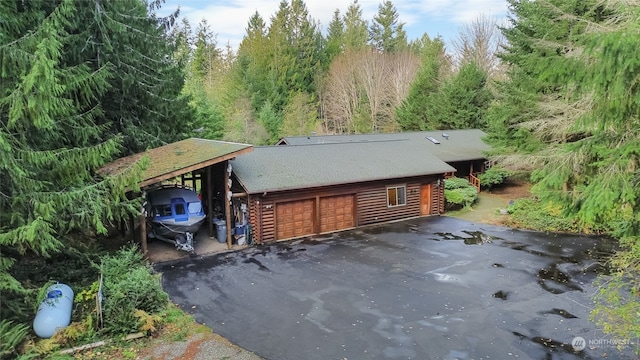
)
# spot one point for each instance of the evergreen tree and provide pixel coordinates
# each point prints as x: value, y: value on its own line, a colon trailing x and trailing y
x: 300, y: 116
x: 205, y: 53
x: 142, y: 101
x: 356, y: 29
x: 205, y: 79
x: 296, y: 45
x: 575, y: 66
x: 52, y: 138
x: 461, y: 102
x: 271, y: 121
x: 386, y: 33
x: 538, y: 41
x: 182, y: 42
x: 209, y: 119
x: 253, y: 61
x: 335, y: 38
x: 413, y: 113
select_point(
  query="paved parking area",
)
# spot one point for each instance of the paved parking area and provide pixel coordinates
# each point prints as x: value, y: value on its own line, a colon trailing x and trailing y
x: 429, y: 288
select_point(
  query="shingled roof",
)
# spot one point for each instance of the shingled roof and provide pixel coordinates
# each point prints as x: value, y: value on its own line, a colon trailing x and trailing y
x: 178, y: 158
x: 453, y: 145
x: 278, y: 168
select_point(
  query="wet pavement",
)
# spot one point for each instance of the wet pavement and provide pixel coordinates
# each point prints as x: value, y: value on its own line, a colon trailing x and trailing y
x: 429, y: 288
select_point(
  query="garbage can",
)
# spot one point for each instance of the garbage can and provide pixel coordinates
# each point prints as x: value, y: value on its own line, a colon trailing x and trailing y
x: 221, y: 230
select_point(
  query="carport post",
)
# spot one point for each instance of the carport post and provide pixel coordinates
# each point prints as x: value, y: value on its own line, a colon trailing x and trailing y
x: 227, y: 201
x: 209, y: 193
x: 143, y: 231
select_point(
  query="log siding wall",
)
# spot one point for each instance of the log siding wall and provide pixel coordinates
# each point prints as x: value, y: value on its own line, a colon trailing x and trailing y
x: 370, y: 203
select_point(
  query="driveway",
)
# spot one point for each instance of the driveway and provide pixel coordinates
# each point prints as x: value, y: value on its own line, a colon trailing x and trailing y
x: 428, y: 288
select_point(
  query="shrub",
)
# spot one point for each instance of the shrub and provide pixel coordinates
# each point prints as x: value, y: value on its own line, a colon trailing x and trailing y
x: 458, y: 192
x: 492, y: 177
x: 129, y: 286
x: 532, y: 214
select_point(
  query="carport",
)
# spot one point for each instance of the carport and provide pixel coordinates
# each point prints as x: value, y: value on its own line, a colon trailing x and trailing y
x: 191, y: 161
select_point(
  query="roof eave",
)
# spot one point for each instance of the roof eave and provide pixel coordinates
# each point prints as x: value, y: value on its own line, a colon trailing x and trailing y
x: 319, y: 185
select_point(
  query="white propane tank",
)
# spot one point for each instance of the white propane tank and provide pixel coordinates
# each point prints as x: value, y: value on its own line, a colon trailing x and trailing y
x: 54, y: 312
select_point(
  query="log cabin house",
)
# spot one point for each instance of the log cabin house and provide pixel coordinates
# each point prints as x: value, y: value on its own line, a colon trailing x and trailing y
x: 318, y: 184
x: 322, y: 184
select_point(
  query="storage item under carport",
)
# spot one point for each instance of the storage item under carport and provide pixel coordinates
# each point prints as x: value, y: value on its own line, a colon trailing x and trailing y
x: 239, y: 234
x: 221, y: 230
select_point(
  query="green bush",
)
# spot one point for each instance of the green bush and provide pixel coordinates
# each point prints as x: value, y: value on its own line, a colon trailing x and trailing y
x: 492, y: 177
x: 458, y: 192
x: 532, y: 214
x: 129, y: 286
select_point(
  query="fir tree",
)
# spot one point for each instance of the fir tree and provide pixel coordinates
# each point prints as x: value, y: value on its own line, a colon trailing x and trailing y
x: 572, y: 99
x: 356, y: 29
x: 53, y: 139
x: 461, y: 102
x: 142, y: 101
x: 252, y: 66
x: 386, y: 33
x: 413, y: 113
x: 335, y: 38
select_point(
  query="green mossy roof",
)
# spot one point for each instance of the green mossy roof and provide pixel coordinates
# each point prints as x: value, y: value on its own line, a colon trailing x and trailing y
x: 188, y: 155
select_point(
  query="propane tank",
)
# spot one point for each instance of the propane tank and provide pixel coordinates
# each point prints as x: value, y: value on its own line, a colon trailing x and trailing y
x: 54, y: 312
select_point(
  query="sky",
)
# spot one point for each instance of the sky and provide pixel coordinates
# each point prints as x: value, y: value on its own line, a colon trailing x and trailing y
x: 228, y: 19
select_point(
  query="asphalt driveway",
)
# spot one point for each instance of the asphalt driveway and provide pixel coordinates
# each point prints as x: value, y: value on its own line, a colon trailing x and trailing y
x: 429, y: 288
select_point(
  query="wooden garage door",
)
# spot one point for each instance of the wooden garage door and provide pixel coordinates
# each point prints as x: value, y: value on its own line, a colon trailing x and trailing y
x: 294, y: 218
x: 336, y: 213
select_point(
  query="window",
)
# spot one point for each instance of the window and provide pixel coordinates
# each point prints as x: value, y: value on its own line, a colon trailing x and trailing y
x: 162, y: 210
x: 195, y: 207
x: 396, y: 196
x: 180, y: 210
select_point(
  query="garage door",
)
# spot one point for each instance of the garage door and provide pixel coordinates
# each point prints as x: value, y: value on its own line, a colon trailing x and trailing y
x: 294, y: 218
x: 336, y: 213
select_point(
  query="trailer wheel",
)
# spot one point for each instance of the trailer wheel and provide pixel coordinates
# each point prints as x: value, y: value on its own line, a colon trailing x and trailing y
x: 181, y: 239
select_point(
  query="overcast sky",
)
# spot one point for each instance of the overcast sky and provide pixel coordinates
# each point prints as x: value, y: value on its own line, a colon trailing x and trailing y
x: 228, y: 18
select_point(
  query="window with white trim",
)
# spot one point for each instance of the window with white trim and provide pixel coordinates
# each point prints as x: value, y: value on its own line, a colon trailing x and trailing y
x: 396, y: 196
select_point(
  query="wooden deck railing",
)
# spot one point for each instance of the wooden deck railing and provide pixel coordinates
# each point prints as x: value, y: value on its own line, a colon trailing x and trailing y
x: 475, y: 181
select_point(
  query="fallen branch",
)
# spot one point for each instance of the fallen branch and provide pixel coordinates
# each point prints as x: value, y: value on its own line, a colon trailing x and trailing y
x: 98, y: 344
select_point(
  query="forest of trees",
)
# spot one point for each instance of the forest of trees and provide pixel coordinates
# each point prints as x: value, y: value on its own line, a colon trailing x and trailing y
x: 557, y: 89
x: 288, y: 78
